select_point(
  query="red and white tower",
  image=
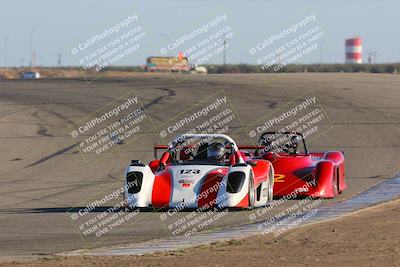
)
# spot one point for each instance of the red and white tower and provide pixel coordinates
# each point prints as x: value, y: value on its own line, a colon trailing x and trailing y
x: 354, y: 50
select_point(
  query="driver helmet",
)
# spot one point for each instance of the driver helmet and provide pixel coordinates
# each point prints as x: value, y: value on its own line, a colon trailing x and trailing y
x: 216, y: 152
x: 294, y: 143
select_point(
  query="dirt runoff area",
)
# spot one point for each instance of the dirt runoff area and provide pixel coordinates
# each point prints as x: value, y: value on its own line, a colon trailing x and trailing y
x: 370, y: 237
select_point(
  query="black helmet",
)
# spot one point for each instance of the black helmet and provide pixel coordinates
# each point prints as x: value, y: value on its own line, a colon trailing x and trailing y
x: 216, y: 151
x: 293, y: 144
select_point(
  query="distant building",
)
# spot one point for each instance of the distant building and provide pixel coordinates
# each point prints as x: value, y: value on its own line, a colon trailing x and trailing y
x: 168, y: 64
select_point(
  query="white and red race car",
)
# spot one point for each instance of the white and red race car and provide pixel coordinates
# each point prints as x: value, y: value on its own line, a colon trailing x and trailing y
x: 199, y: 171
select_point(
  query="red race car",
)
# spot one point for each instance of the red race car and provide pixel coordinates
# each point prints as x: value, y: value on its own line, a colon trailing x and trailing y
x: 297, y: 171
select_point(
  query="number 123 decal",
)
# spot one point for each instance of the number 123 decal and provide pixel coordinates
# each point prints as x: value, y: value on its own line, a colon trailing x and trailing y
x: 190, y: 171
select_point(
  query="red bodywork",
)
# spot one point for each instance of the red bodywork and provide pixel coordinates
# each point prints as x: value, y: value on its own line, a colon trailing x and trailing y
x: 315, y: 174
x: 319, y: 175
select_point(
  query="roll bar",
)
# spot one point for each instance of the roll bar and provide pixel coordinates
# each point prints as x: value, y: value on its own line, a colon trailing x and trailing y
x: 183, y: 137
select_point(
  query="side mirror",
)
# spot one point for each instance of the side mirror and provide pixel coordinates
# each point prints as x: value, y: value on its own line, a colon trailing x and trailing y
x: 137, y: 163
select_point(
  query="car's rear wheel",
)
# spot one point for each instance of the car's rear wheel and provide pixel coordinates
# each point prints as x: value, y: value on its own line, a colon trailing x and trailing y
x: 335, y: 181
x: 338, y: 181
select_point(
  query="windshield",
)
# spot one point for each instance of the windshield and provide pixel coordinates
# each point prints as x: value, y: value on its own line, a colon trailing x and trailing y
x: 282, y: 143
x: 201, y: 151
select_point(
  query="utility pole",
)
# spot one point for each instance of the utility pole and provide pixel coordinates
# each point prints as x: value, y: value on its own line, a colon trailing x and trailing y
x: 320, y: 54
x: 5, y: 51
x: 225, y: 42
x: 59, y: 60
x: 31, y: 46
x: 372, y: 57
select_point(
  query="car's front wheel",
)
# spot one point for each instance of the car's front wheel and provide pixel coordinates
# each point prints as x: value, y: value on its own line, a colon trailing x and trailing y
x: 271, y: 185
x: 252, y: 193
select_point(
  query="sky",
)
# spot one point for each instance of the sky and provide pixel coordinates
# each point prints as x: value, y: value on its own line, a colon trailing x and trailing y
x: 56, y: 27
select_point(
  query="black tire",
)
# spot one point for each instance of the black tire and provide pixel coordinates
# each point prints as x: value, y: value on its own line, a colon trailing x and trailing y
x: 335, y: 181
x: 338, y: 181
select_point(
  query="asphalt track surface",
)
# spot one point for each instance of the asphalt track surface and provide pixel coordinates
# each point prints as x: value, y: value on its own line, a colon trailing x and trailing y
x: 43, y: 175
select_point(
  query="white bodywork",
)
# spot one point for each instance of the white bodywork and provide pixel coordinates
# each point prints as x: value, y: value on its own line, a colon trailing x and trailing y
x: 182, y: 196
x: 188, y: 197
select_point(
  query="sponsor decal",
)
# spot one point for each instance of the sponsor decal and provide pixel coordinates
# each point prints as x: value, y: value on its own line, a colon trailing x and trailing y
x: 186, y: 182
